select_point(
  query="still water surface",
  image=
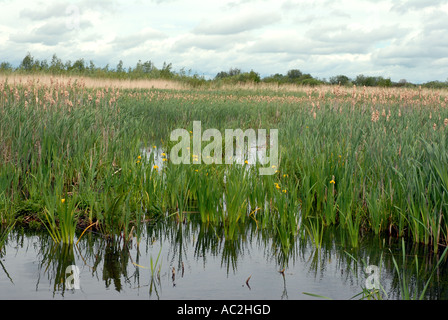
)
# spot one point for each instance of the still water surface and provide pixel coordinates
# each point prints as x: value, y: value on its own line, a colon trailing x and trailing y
x: 194, y: 262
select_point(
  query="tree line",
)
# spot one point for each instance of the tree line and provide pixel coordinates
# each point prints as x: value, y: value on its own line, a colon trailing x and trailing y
x: 148, y: 70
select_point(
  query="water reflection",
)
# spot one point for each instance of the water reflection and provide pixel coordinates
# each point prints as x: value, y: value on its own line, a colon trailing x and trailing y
x: 53, y: 262
x: 188, y: 261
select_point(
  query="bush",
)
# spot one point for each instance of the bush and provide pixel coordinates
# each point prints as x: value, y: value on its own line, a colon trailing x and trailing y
x: 340, y: 79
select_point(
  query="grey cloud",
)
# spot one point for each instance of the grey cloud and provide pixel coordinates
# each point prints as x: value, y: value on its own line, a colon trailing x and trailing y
x: 299, y: 5
x: 337, y: 13
x: 239, y: 3
x: 407, y: 5
x: 421, y: 50
x: 50, y: 33
x: 32, y: 38
x: 161, y: 1
x: 342, y: 34
x: 279, y: 44
x: 237, y: 24
x: 62, y: 9
x: 326, y: 40
x: 132, y: 41
x: 435, y: 21
x: 54, y: 10
x: 209, y: 42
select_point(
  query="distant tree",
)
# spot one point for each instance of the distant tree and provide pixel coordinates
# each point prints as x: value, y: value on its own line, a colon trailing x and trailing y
x: 303, y: 77
x: 68, y: 65
x: 138, y: 67
x: 340, y: 79
x: 148, y: 67
x: 383, y: 82
x: 79, y: 66
x: 56, y: 65
x: 166, y: 72
x: 221, y: 75
x: 106, y: 68
x: 27, y: 63
x: 279, y: 78
x: 120, y: 67
x: 251, y: 76
x: 294, y: 74
x: 91, y: 66
x: 311, y: 82
x: 5, y: 66
x: 234, y: 72
x: 362, y: 80
x: 369, y: 81
x: 44, y: 65
x: 435, y: 84
x: 401, y: 83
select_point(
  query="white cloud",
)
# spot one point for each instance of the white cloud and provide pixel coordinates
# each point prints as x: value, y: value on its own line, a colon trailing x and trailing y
x: 402, y: 39
x: 235, y: 24
x: 404, y: 6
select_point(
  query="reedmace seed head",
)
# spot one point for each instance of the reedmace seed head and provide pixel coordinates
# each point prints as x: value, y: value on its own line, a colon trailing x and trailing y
x: 375, y: 116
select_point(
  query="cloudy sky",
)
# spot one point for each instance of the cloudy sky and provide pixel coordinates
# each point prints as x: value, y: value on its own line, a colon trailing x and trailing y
x: 400, y: 39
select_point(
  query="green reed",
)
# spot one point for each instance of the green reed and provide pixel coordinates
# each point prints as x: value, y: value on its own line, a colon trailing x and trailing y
x: 370, y: 163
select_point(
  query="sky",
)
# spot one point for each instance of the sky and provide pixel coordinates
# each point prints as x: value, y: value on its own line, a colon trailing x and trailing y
x: 399, y: 39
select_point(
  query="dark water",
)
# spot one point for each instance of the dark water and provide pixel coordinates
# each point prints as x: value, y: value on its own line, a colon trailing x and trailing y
x: 195, y: 262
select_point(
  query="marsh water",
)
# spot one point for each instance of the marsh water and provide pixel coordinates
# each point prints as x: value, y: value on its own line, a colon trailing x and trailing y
x: 194, y: 262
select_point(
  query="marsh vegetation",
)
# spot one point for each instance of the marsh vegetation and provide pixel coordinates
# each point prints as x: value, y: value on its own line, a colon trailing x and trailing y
x: 77, y: 158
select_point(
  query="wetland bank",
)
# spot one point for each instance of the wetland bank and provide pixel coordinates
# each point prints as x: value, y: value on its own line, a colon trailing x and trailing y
x: 86, y: 166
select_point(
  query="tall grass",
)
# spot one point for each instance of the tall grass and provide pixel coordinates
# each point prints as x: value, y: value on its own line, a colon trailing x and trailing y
x: 364, y: 160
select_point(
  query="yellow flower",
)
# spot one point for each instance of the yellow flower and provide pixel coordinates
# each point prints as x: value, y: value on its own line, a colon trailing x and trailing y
x: 139, y: 157
x: 284, y: 191
x: 156, y: 167
x: 164, y: 159
x: 138, y: 161
x: 163, y: 154
x: 332, y: 181
x: 246, y: 162
x: 154, y: 147
x: 62, y: 200
x: 196, y: 170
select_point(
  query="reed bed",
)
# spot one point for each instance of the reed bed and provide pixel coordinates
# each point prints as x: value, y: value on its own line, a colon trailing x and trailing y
x: 75, y: 157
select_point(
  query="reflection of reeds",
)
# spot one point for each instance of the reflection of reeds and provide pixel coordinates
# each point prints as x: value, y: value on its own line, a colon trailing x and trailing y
x: 4, y: 232
x: 409, y: 283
